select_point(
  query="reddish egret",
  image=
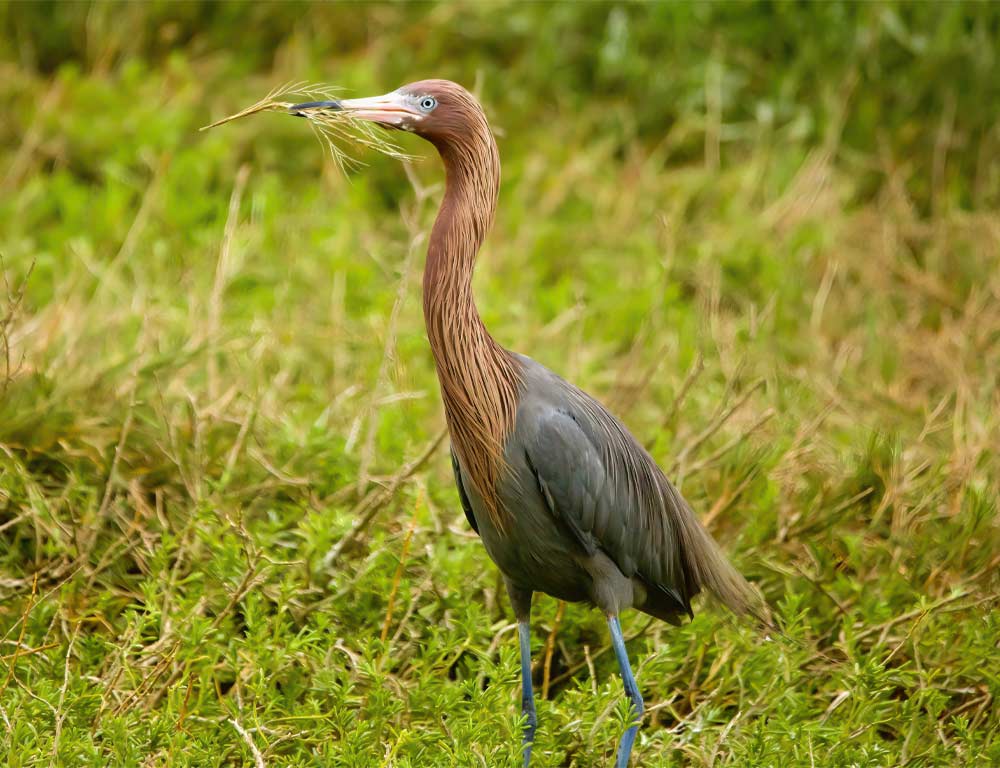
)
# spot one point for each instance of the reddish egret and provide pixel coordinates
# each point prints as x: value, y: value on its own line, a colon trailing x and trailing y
x: 565, y: 499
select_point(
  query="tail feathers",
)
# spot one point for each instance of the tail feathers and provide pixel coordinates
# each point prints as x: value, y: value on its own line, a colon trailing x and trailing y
x: 712, y: 571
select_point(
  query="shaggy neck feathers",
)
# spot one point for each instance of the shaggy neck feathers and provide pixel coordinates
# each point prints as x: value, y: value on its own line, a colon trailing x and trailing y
x: 479, y: 379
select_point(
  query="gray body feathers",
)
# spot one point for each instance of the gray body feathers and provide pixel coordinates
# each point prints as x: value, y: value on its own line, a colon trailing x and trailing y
x: 592, y: 517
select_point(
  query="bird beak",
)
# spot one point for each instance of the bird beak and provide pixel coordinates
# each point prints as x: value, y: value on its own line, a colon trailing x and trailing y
x: 390, y: 109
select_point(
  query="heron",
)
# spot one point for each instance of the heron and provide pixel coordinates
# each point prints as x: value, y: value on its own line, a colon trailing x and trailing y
x: 564, y: 498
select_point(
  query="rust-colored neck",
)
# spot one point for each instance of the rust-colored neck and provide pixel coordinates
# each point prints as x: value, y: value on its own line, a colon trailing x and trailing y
x: 479, y: 379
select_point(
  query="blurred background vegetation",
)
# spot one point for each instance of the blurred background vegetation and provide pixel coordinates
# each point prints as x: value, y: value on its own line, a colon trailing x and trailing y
x: 764, y: 233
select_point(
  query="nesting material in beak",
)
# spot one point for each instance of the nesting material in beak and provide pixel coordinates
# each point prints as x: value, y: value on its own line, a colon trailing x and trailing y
x: 335, y: 122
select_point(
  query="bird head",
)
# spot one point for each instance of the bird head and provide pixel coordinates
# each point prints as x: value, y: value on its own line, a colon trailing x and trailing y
x: 437, y: 110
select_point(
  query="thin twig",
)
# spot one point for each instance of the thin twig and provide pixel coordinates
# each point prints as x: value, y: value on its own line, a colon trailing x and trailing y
x: 61, y: 715
x: 258, y: 758
x: 397, y: 577
x: 151, y: 677
x: 30, y: 651
x: 590, y: 668
x: 20, y: 638
x: 550, y: 643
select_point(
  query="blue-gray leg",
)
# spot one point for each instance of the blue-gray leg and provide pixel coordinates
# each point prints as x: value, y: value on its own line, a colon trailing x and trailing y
x: 527, y: 694
x: 618, y: 642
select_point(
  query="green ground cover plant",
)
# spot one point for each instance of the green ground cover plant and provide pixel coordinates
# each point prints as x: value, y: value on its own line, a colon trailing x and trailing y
x: 765, y: 234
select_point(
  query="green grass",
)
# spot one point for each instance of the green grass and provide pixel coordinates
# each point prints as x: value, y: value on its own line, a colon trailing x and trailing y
x: 228, y: 534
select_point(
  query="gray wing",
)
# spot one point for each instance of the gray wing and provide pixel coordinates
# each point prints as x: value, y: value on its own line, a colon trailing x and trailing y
x: 462, y: 495
x: 608, y: 493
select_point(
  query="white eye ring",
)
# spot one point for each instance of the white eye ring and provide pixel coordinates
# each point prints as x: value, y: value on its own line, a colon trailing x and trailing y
x: 427, y: 103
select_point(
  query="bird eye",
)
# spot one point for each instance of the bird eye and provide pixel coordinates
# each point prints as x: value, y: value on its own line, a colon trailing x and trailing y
x: 427, y: 103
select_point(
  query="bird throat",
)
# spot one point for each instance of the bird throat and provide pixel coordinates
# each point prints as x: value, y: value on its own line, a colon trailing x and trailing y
x: 479, y: 379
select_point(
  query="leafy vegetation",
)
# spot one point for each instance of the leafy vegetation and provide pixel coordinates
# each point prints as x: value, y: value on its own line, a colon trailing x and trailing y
x: 764, y: 234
